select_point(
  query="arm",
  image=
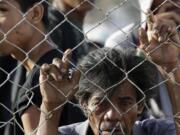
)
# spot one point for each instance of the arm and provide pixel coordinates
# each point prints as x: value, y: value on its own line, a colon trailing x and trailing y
x: 172, y: 85
x: 161, y: 44
x: 30, y: 122
x: 174, y: 92
x: 56, y: 88
x: 48, y: 124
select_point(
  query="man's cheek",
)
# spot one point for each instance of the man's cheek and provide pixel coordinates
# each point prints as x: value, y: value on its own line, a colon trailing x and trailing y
x: 131, y: 117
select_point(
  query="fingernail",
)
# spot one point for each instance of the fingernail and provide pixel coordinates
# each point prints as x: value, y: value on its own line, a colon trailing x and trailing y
x: 169, y: 29
x: 67, y: 52
x: 59, y: 77
x: 155, y: 31
x: 160, y: 39
x: 63, y: 70
x: 140, y: 32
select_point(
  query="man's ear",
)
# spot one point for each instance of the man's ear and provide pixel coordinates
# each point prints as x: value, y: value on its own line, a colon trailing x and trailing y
x: 35, y: 14
x: 83, y: 104
x: 140, y: 108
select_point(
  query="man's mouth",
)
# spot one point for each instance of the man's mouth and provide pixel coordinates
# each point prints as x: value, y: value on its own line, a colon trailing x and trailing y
x: 115, y: 128
x: 112, y: 132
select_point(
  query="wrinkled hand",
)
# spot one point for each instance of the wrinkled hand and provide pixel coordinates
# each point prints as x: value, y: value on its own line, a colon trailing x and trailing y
x: 161, y: 41
x: 55, y: 83
x: 173, y: 16
x: 170, y: 11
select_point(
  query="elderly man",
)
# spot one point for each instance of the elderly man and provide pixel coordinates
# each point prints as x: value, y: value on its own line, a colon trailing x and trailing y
x: 113, y: 86
x: 111, y: 93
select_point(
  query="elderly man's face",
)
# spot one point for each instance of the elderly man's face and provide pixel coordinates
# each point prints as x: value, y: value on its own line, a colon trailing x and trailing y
x: 116, y: 114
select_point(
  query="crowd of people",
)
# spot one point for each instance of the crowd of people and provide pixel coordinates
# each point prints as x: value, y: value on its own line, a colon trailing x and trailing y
x: 58, y: 84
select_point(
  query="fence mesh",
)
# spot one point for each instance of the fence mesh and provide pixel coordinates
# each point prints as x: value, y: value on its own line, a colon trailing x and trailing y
x: 124, y: 17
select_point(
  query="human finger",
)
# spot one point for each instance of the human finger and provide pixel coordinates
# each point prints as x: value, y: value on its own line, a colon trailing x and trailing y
x: 143, y: 38
x: 66, y: 61
x: 75, y: 82
x: 165, y: 7
x: 44, y: 71
x: 175, y: 17
x: 57, y: 62
x: 174, y: 36
x: 75, y: 77
x: 150, y: 20
x: 54, y: 73
x: 170, y: 16
x: 163, y: 33
x: 157, y: 26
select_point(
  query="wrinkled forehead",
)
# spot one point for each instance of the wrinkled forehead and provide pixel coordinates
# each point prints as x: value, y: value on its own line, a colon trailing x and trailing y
x: 122, y: 90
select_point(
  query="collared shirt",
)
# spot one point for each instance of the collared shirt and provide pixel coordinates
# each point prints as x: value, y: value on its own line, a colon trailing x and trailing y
x: 80, y: 128
x: 146, y: 127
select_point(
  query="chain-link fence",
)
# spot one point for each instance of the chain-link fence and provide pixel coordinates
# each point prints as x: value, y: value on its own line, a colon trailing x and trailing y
x: 34, y: 32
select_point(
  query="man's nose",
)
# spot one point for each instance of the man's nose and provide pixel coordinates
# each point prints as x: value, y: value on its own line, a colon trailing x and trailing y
x: 113, y: 113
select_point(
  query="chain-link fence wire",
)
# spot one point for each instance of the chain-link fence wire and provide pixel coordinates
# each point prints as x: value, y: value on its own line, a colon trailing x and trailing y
x: 90, y: 34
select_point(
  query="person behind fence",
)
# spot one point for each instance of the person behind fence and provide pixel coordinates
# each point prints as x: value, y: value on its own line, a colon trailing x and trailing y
x: 25, y: 22
x: 66, y: 31
x: 164, y: 12
x: 67, y: 16
x: 113, y: 85
x: 65, y: 36
x: 168, y: 12
x: 166, y: 15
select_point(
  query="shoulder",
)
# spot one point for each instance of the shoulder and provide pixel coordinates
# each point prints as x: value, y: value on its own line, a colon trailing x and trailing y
x: 156, y: 127
x: 79, y: 128
x: 54, y: 15
x: 29, y: 84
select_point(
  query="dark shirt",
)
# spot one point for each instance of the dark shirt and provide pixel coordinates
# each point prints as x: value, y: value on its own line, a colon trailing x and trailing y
x: 7, y: 66
x: 29, y: 94
x: 66, y: 34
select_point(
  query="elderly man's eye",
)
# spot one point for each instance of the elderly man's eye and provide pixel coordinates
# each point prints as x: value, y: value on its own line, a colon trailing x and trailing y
x: 3, y: 9
x: 95, y: 103
x: 126, y: 102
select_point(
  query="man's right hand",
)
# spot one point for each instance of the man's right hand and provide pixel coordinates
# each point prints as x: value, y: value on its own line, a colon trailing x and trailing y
x: 55, y: 83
